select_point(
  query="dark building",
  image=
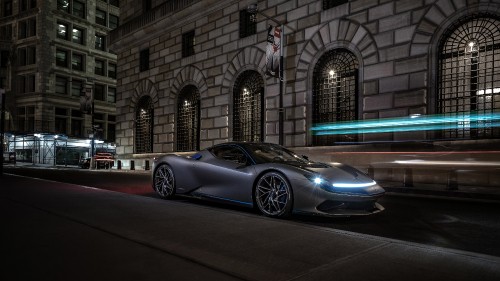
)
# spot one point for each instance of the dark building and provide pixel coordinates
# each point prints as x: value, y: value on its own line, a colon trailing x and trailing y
x: 50, y: 52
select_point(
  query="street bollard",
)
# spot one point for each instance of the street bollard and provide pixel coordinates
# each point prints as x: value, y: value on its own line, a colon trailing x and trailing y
x: 408, y: 178
x: 452, y: 180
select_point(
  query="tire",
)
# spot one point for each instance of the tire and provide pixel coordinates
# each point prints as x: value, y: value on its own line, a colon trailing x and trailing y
x: 164, y: 181
x: 273, y: 195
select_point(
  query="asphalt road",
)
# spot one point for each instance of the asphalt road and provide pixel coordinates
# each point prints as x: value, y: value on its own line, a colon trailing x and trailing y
x: 458, y: 224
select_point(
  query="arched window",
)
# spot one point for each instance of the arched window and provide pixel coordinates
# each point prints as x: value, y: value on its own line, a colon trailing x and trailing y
x: 469, y: 76
x: 144, y: 125
x: 188, y: 119
x: 335, y: 93
x: 248, y: 114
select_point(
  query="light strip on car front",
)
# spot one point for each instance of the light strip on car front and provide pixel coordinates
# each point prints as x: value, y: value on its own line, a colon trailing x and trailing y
x: 353, y: 185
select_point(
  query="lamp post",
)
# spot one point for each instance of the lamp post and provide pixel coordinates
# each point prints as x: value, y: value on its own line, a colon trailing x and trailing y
x: 2, y: 127
x: 281, y: 111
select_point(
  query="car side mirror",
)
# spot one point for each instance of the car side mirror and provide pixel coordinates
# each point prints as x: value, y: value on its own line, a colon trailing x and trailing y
x: 305, y: 157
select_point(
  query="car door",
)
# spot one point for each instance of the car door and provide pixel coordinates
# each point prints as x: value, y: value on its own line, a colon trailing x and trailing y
x: 227, y: 175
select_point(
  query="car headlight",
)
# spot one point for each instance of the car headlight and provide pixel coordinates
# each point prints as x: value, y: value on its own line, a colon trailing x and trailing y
x: 317, y: 180
x: 353, y: 185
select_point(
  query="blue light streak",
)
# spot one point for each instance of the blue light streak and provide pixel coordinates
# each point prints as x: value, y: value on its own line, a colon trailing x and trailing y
x: 410, y: 124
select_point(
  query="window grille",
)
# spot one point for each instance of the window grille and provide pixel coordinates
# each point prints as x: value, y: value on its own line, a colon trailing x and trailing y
x: 248, y: 115
x: 188, y: 119
x: 469, y: 76
x: 335, y: 93
x: 144, y: 125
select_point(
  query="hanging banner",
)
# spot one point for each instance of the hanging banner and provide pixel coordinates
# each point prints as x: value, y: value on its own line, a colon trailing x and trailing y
x: 273, y: 51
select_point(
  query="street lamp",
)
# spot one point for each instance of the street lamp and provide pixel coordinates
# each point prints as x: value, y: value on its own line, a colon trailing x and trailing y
x: 2, y: 126
x: 254, y: 9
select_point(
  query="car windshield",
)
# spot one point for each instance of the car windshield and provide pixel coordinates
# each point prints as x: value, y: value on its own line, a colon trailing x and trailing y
x: 265, y: 153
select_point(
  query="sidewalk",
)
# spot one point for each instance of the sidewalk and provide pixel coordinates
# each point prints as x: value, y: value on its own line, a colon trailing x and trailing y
x: 391, y: 187
x: 56, y: 231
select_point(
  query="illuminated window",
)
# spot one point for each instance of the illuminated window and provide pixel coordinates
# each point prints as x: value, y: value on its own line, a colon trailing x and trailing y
x: 144, y: 125
x: 63, y: 5
x: 100, y: 42
x: 335, y: 93
x: 78, y: 35
x: 469, y: 76
x: 188, y: 119
x: 62, y: 31
x: 248, y: 101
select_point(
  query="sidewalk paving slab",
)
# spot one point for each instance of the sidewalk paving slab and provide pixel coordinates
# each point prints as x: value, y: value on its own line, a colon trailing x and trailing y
x: 57, y: 231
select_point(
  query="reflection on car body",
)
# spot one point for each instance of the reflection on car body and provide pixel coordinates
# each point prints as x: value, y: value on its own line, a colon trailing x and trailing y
x: 269, y: 177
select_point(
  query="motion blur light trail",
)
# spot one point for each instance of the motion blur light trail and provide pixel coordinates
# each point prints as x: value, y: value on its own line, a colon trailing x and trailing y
x: 411, y: 123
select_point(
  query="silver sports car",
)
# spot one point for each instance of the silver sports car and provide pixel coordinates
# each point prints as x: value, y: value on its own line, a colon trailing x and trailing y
x: 269, y: 177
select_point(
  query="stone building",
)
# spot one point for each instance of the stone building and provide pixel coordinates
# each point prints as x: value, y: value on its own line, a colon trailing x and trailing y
x: 50, y: 52
x: 193, y: 73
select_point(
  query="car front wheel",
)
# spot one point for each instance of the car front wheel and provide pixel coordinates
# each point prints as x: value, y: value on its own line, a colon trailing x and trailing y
x: 164, y: 181
x: 273, y: 195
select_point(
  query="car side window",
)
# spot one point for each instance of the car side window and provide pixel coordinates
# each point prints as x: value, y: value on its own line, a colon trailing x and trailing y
x: 230, y: 153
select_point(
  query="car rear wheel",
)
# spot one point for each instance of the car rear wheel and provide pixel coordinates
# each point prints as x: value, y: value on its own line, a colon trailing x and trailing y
x: 273, y: 195
x: 164, y: 181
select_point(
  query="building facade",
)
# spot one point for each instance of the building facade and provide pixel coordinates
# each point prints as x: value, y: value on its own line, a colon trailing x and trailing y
x: 193, y: 73
x: 50, y: 52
